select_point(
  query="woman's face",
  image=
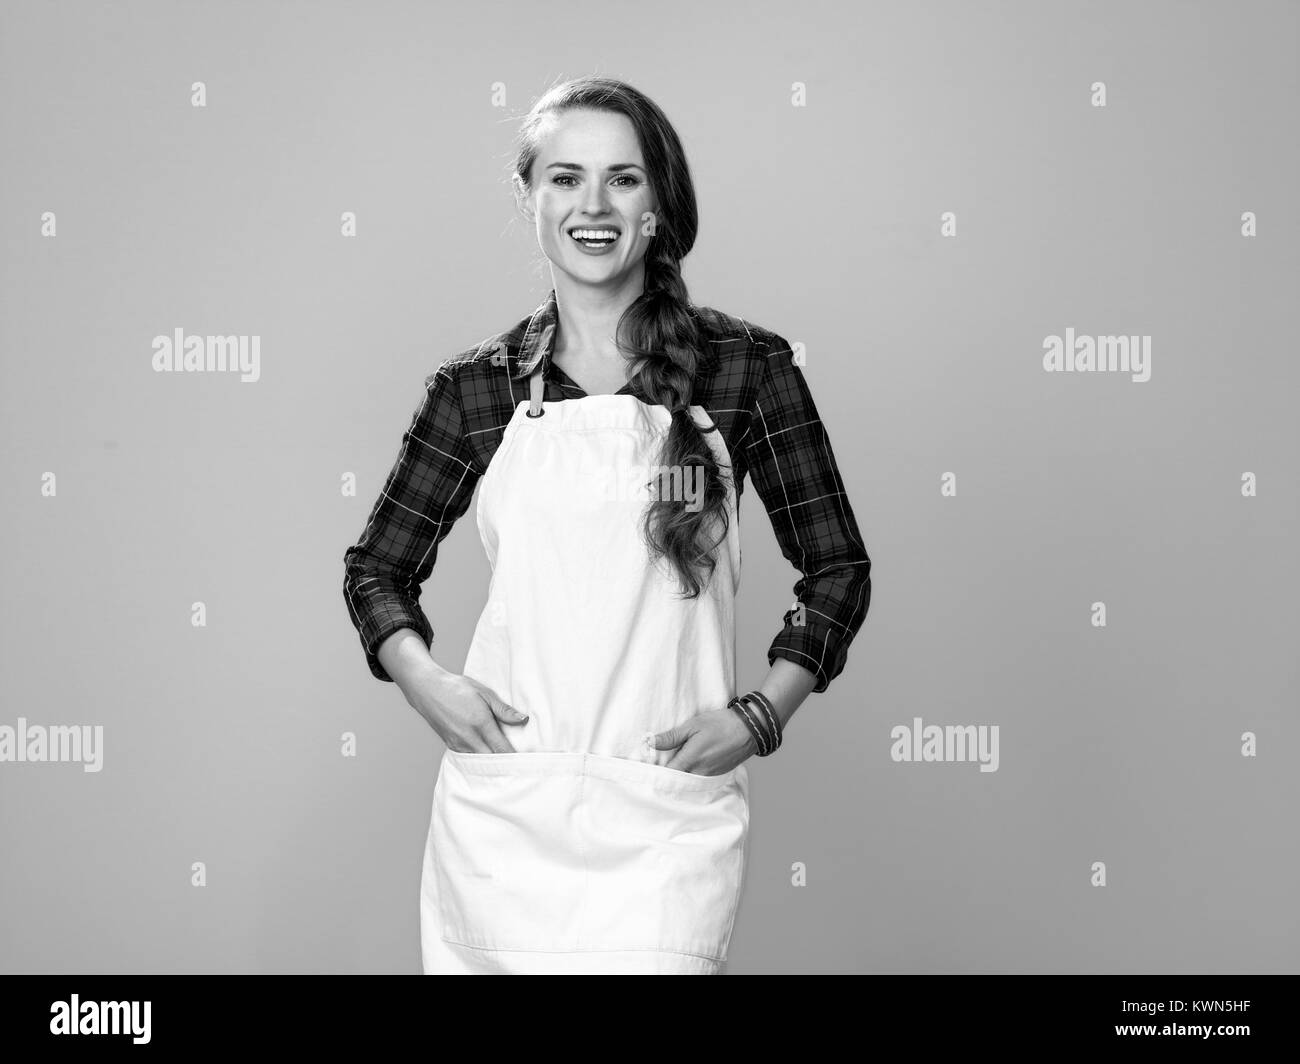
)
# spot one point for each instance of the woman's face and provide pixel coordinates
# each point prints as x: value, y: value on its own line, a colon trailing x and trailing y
x: 589, y: 177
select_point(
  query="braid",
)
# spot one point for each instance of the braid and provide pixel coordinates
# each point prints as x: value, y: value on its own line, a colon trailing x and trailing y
x: 666, y: 341
x: 659, y: 332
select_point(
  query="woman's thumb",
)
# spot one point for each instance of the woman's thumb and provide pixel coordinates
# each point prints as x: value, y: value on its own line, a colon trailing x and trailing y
x: 506, y: 714
x: 501, y: 709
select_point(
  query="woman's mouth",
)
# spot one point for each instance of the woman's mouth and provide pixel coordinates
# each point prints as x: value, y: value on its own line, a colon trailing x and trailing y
x: 594, y: 238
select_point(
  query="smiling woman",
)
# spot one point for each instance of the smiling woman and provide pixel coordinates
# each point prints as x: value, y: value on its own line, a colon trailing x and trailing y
x: 591, y: 812
x: 602, y: 150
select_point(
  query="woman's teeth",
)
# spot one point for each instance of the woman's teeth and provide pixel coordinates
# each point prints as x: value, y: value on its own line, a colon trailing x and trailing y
x: 594, y: 238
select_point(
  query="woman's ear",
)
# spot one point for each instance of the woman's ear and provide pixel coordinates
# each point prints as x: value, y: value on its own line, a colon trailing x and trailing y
x: 523, y: 201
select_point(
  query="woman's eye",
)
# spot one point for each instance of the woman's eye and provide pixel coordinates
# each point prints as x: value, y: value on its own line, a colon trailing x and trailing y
x: 563, y: 180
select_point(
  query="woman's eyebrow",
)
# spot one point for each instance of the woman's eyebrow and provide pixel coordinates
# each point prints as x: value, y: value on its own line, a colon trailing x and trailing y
x: 577, y: 166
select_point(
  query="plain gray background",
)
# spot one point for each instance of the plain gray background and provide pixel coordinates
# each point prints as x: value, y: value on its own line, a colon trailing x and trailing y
x: 222, y: 744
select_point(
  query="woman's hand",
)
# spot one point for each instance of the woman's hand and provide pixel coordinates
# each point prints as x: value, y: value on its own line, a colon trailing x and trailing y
x: 466, y: 714
x: 710, y: 743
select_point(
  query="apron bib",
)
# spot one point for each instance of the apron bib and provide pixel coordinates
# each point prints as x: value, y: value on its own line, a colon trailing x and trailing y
x: 581, y: 851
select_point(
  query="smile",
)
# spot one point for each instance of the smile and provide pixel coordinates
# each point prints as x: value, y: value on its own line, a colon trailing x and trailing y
x: 594, y: 237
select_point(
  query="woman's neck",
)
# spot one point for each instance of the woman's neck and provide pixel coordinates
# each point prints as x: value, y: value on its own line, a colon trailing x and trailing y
x: 588, y: 322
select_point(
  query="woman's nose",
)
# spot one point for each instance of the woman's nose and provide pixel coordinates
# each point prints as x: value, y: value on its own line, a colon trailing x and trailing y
x: 595, y: 204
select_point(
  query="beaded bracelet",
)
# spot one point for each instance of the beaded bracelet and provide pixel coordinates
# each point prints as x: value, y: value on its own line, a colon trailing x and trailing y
x: 755, y: 709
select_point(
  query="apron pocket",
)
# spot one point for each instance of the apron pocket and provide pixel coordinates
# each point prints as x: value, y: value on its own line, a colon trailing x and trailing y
x: 577, y: 852
x: 666, y: 856
x: 508, y: 859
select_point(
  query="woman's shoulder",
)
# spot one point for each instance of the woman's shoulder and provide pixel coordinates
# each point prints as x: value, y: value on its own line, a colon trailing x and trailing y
x: 486, y: 357
x: 732, y: 337
x: 723, y: 326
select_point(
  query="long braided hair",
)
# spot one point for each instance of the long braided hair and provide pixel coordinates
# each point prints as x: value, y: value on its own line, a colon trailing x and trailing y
x: 659, y: 329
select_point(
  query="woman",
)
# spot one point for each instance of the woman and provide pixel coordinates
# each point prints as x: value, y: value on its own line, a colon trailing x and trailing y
x: 592, y: 806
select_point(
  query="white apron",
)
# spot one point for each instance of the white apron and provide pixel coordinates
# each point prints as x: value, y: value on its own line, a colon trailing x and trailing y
x: 580, y: 851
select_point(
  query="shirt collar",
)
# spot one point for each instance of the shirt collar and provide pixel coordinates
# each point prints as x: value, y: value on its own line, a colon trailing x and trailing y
x: 538, y: 340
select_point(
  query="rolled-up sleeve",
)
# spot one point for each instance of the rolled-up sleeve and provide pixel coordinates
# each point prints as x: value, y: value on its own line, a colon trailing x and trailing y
x: 427, y: 491
x: 793, y: 469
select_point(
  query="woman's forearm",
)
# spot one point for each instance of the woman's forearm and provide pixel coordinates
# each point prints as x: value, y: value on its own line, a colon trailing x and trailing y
x: 786, y: 686
x: 407, y: 660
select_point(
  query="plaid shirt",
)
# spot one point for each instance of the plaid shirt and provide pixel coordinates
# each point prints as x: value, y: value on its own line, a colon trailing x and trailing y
x: 749, y: 385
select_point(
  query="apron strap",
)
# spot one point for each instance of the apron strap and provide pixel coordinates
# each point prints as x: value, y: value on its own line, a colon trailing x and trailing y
x: 536, y: 388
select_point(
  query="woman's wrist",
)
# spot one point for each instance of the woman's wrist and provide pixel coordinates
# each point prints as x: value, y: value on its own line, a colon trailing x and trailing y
x: 750, y: 747
x: 758, y: 716
x: 766, y: 710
